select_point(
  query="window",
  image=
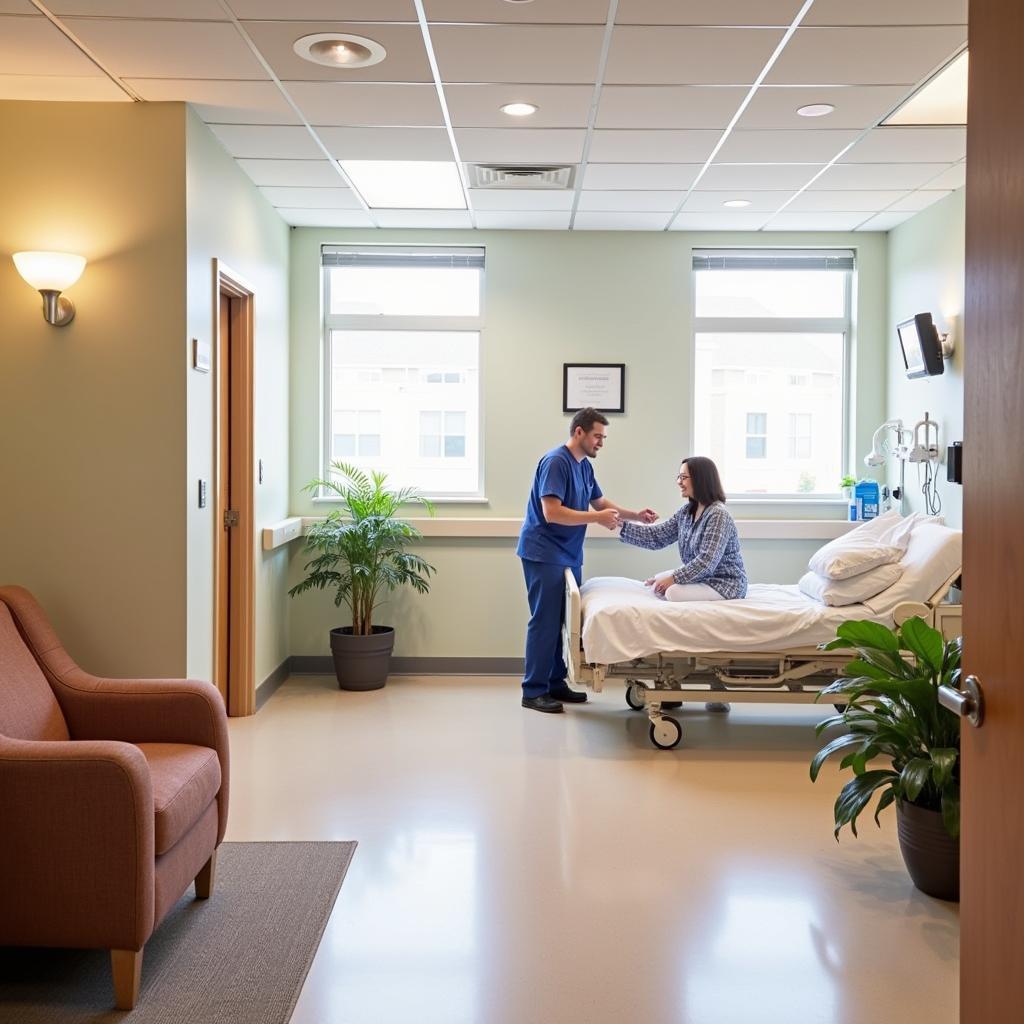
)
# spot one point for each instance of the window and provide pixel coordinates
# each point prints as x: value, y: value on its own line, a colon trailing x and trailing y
x: 771, y: 341
x: 402, y: 351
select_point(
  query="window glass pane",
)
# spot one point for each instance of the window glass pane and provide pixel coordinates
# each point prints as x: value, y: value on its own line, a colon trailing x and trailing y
x: 767, y: 434
x: 454, y: 422
x: 344, y: 444
x: 405, y: 291
x: 454, y: 447
x: 345, y: 421
x: 430, y: 423
x: 369, y: 444
x: 767, y: 293
x: 369, y: 421
x: 430, y: 446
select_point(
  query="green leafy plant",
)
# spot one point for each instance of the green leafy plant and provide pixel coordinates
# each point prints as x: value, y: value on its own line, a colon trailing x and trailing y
x: 893, y: 712
x: 360, y: 548
x: 847, y: 481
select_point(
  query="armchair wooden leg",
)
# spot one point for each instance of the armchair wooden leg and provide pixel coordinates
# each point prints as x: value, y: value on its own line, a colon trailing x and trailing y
x: 126, y: 965
x: 205, y: 878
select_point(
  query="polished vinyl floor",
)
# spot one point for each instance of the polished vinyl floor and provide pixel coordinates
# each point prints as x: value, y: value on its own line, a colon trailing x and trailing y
x: 519, y: 868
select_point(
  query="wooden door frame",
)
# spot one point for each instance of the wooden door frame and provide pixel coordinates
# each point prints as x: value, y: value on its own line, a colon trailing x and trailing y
x: 241, y: 685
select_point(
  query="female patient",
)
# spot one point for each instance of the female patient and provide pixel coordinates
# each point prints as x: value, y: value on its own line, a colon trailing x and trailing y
x: 709, y: 546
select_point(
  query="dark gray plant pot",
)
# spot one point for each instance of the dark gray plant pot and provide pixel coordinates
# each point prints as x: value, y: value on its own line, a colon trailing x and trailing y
x: 931, y: 854
x: 362, y: 662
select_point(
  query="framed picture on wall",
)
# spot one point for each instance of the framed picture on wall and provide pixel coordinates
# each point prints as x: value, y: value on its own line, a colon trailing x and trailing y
x: 601, y: 385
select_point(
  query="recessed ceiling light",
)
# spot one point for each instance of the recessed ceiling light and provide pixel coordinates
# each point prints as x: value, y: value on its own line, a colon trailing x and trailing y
x: 407, y: 184
x: 340, y: 50
x: 520, y: 109
x: 736, y: 204
x: 815, y: 110
x: 941, y: 100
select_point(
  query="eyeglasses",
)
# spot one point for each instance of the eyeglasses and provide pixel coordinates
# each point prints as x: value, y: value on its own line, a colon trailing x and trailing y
x: 681, y: 477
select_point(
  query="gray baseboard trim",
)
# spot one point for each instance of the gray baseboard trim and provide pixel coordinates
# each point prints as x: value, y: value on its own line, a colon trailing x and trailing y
x: 323, y: 665
x: 269, y: 686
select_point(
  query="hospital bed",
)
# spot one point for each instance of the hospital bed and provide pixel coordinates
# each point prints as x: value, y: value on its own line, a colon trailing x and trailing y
x: 762, y: 649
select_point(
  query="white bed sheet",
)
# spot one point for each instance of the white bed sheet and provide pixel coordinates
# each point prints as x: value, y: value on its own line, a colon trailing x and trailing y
x: 622, y: 620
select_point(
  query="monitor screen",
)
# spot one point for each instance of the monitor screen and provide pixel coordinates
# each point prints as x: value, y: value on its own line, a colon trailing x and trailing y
x: 909, y: 341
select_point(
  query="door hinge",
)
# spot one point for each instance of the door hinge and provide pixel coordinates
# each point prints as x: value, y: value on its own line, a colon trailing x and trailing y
x: 231, y: 518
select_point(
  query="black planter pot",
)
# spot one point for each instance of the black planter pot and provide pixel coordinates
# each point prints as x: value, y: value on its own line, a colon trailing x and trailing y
x: 362, y: 662
x: 931, y: 854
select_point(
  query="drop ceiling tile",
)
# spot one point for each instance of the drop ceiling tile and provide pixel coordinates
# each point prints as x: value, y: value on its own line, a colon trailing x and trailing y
x: 566, y: 12
x: 885, y: 12
x: 17, y: 7
x: 406, y: 59
x: 713, y: 202
x: 668, y: 106
x: 533, y: 200
x: 168, y: 49
x: 517, y: 53
x: 310, y: 173
x: 269, y: 142
x: 845, y: 200
x: 856, y: 106
x: 591, y: 220
x: 183, y: 10
x: 522, y: 220
x: 882, y: 176
x: 671, y: 55
x: 32, y: 46
x: 918, y: 200
x: 884, y: 221
x: 787, y: 221
x: 386, y: 143
x: 299, y: 198
x: 367, y: 104
x: 326, y: 10
x: 612, y: 145
x: 707, y: 12
x: 559, y: 106
x: 865, y: 56
x: 766, y: 146
x: 955, y: 177
x: 630, y: 201
x: 57, y: 88
x: 423, y: 218
x: 301, y: 218
x: 909, y: 145
x: 520, y: 145
x: 640, y: 176
x: 724, y: 220
x: 757, y: 176
x: 221, y: 102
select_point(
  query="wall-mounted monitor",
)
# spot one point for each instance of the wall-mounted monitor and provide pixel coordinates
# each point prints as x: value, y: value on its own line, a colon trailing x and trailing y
x: 921, y: 346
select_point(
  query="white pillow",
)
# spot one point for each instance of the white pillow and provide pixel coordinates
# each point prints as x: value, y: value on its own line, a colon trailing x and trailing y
x: 855, y: 590
x: 878, y: 541
x: 934, y: 554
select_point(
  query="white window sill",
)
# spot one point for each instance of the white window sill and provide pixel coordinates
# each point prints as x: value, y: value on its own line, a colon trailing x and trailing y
x: 470, y: 499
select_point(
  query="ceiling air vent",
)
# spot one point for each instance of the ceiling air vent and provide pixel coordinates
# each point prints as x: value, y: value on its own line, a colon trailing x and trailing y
x: 497, y: 176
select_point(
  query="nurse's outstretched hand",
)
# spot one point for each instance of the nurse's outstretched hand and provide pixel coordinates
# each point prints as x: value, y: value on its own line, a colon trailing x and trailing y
x: 648, y: 515
x: 608, y: 518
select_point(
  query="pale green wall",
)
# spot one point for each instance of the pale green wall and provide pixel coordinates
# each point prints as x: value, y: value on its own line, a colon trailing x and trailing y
x: 92, y: 415
x: 554, y: 297
x: 230, y: 221
x: 926, y: 275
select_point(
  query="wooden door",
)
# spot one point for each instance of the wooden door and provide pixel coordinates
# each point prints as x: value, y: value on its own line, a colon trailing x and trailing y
x: 222, y: 630
x: 992, y: 844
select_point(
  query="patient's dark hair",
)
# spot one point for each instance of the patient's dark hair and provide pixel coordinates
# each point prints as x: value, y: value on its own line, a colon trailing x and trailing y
x: 585, y: 420
x: 705, y: 482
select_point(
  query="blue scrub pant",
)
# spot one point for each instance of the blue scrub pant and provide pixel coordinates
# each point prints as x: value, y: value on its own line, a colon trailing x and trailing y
x: 545, y: 589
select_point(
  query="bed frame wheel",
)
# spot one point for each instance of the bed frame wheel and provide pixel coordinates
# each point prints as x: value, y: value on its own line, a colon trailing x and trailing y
x: 666, y: 733
x: 635, y: 696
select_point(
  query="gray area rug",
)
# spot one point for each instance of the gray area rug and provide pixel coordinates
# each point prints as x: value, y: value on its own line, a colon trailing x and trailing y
x: 239, y: 957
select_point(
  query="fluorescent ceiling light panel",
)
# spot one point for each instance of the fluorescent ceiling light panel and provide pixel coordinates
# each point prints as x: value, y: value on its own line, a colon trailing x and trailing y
x: 407, y: 184
x: 941, y: 100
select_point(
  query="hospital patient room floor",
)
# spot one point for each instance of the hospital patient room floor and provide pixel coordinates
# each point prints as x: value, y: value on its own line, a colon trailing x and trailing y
x: 556, y: 869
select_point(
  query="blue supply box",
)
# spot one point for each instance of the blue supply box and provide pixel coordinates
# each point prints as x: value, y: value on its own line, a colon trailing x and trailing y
x: 867, y: 496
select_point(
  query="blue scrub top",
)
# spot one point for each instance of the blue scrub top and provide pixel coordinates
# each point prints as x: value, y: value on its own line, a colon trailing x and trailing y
x: 561, y: 476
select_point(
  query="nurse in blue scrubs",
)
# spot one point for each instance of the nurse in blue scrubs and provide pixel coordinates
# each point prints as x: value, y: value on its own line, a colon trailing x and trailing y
x: 564, y: 499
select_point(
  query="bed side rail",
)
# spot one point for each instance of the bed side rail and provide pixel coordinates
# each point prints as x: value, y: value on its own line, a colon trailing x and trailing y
x: 572, y: 625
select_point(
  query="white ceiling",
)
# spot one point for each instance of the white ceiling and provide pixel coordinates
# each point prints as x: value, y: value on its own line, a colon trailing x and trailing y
x: 668, y: 108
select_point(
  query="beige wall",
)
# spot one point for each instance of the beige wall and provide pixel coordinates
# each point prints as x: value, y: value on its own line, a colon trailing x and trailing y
x: 553, y: 297
x: 230, y: 221
x: 926, y: 275
x: 92, y: 415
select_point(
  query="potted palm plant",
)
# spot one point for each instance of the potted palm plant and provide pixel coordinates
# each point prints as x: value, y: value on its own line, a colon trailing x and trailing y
x: 893, y: 712
x: 359, y: 553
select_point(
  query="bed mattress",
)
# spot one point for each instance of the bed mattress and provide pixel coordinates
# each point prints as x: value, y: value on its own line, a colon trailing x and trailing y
x: 623, y: 620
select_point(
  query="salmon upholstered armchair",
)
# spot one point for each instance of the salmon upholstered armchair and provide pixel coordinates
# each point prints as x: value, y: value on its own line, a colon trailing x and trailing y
x: 113, y: 797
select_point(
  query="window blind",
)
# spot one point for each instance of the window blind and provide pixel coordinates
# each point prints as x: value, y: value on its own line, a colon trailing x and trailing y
x: 405, y: 256
x: 773, y: 259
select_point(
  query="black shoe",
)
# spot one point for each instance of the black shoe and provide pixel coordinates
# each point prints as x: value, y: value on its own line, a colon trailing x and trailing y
x: 567, y: 696
x: 543, y: 703
x: 717, y: 706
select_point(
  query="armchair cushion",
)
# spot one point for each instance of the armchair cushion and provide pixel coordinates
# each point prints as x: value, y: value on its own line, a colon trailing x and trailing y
x: 29, y: 710
x: 185, y: 780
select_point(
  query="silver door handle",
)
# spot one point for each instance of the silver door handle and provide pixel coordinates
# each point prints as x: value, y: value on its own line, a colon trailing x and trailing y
x: 968, y: 703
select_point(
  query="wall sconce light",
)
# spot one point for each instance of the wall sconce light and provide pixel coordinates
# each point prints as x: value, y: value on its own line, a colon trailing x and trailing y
x: 50, y: 273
